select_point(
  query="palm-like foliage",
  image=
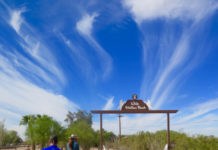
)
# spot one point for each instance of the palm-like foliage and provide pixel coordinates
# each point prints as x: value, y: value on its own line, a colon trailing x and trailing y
x: 40, y: 128
x: 45, y: 127
x: 29, y: 120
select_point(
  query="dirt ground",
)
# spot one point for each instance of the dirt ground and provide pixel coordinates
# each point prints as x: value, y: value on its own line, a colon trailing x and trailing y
x: 37, y: 148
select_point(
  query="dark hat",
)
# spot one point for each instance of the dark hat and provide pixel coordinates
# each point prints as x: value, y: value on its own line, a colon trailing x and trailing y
x: 54, y: 139
x: 73, y: 136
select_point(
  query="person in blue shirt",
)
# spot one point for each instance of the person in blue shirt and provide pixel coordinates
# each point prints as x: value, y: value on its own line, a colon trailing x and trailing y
x: 53, y: 143
x: 72, y: 144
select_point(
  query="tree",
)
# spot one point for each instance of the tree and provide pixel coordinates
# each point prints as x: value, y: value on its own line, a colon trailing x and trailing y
x: 29, y: 121
x: 11, y: 138
x: 83, y: 116
x: 70, y: 118
x: 45, y: 126
x: 85, y: 133
x: 1, y: 132
x: 8, y: 137
x: 79, y: 116
x: 40, y: 128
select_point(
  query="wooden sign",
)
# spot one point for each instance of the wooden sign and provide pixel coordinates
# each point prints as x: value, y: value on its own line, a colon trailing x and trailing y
x: 134, y: 105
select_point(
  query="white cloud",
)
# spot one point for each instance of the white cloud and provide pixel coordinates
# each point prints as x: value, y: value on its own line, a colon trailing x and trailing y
x: 110, y: 104
x: 7, y: 113
x: 36, y: 48
x: 16, y: 20
x: 200, y: 109
x: 42, y: 54
x: 8, y: 68
x: 153, y: 9
x: 164, y: 79
x: 21, y: 77
x: 20, y: 97
x: 170, y: 63
x: 161, y: 79
x: 206, y: 124
x: 85, y: 25
x: 105, y: 59
x: 80, y: 58
x: 178, y: 57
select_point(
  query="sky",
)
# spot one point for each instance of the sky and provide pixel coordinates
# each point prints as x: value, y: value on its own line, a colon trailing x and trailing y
x: 60, y: 56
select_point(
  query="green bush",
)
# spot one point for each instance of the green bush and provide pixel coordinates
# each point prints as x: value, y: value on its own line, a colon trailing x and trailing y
x: 157, y: 141
x: 85, y: 133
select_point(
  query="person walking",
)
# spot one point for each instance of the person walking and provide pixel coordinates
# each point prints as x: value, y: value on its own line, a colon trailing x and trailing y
x: 72, y: 144
x: 53, y: 143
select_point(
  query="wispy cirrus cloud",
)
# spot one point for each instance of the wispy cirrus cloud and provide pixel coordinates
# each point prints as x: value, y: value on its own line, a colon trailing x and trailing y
x: 21, y: 97
x: 201, y: 118
x: 29, y: 73
x: 199, y: 110
x: 28, y: 98
x: 85, y: 27
x: 173, y: 57
x: 110, y: 104
x: 178, y: 57
x: 16, y: 19
x: 33, y: 44
x: 80, y: 58
x: 169, y: 9
x: 167, y: 67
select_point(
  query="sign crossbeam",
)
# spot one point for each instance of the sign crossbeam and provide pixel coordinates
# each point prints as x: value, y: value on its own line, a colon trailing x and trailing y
x: 131, y: 112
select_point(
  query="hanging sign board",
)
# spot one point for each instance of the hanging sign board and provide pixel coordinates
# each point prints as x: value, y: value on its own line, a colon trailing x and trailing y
x: 134, y: 105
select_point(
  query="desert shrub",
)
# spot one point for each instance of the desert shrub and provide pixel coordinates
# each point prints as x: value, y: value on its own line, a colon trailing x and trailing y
x: 157, y: 141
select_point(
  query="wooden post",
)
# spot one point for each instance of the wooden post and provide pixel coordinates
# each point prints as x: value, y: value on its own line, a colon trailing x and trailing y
x: 119, y: 126
x: 101, y: 140
x: 168, y: 130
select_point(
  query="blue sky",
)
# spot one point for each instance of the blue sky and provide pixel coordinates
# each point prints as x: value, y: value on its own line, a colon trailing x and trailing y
x: 70, y: 55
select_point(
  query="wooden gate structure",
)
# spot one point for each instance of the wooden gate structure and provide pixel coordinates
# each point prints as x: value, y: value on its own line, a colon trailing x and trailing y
x: 131, y: 107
